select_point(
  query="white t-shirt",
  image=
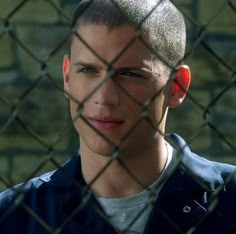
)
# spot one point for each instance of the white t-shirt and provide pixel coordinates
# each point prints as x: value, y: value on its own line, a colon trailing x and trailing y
x: 130, y: 214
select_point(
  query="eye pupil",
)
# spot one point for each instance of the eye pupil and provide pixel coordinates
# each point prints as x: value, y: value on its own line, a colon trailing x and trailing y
x: 130, y: 74
x: 87, y: 70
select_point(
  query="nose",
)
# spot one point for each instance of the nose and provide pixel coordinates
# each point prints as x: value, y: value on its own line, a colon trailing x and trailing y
x: 107, y: 94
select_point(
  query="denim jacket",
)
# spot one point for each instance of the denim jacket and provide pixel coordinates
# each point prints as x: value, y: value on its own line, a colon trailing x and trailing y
x: 199, y: 196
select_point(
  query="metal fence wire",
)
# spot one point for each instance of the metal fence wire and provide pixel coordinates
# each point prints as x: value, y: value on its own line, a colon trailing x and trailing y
x: 28, y: 86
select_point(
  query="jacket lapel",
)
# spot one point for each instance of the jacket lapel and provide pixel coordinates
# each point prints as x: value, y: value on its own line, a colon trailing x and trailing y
x: 177, y: 209
x: 80, y: 211
x: 185, y: 197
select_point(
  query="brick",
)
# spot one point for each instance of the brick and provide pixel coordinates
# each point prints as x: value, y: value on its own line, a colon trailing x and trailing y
x: 225, y: 21
x: 41, y: 107
x: 7, y: 6
x: 32, y: 11
x: 6, y: 51
x: 10, y: 93
x: 206, y: 68
x: 41, y: 41
x: 8, y: 76
x: 224, y: 114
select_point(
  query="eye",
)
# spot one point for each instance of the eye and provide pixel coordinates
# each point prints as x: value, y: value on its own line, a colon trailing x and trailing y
x: 131, y: 74
x: 87, y: 70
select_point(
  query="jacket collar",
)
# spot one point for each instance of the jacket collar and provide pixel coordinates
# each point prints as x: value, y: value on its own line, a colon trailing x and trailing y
x: 201, y: 170
x: 66, y: 176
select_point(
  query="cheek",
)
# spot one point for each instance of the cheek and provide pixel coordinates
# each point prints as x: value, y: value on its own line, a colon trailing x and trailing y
x: 77, y: 95
x: 78, y: 105
x: 141, y: 92
x: 156, y: 106
x: 159, y: 107
x: 74, y: 110
x: 78, y: 91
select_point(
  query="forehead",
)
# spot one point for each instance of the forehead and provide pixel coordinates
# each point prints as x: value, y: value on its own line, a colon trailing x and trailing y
x: 108, y: 42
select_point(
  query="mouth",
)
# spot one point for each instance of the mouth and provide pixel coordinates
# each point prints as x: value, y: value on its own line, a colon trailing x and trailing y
x: 102, y: 122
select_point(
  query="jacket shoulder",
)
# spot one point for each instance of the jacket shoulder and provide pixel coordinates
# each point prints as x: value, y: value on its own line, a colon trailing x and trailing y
x: 15, y: 195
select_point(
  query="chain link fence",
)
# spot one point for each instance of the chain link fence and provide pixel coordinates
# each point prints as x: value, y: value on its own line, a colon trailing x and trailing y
x: 36, y: 132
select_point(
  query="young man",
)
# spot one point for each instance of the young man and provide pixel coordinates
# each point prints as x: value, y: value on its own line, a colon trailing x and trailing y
x: 126, y: 178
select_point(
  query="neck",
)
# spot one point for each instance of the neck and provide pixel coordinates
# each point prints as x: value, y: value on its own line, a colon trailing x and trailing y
x: 126, y: 175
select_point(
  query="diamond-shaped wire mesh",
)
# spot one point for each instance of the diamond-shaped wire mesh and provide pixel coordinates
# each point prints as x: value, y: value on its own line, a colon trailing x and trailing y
x: 36, y: 131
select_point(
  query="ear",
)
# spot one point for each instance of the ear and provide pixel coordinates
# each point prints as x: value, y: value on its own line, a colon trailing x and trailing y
x: 65, y: 70
x: 179, y: 86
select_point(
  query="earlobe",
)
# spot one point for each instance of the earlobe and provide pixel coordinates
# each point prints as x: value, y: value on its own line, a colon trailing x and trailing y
x: 180, y: 86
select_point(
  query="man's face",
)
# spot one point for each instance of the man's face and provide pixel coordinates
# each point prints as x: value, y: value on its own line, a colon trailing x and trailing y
x: 116, y: 107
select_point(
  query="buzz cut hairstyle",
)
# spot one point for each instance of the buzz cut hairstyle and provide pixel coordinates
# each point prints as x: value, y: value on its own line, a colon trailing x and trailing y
x: 160, y: 19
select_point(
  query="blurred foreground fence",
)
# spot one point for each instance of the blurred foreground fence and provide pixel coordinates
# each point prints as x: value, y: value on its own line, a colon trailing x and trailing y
x: 34, y: 117
x: 36, y: 132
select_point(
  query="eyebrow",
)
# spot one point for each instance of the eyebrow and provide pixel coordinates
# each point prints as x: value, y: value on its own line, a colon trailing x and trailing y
x: 131, y: 68
x: 84, y: 64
